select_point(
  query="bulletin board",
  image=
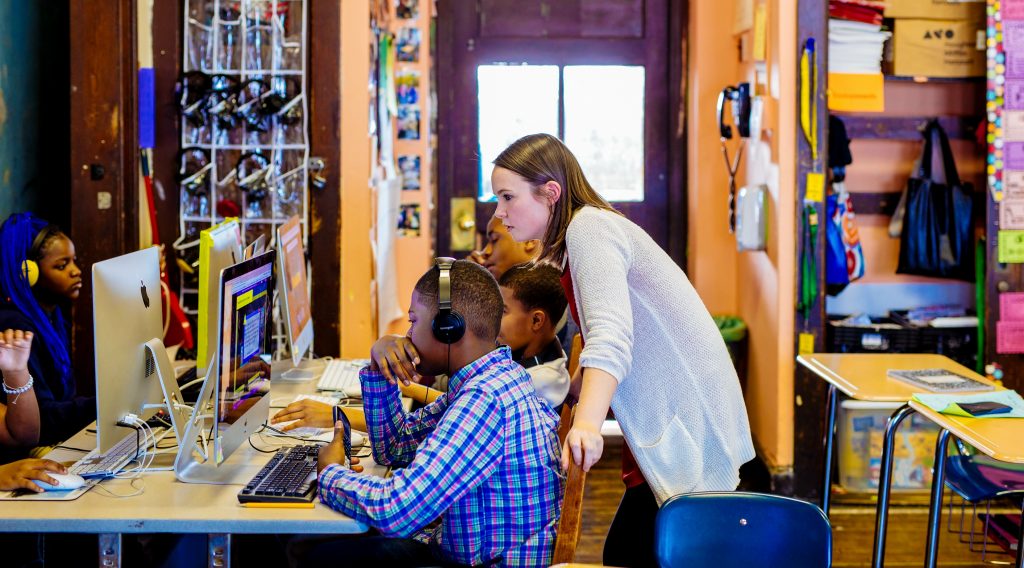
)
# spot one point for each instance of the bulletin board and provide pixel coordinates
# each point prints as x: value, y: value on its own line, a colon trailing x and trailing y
x: 1005, y: 199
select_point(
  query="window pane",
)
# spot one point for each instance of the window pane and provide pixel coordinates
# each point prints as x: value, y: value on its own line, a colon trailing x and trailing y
x: 514, y: 100
x: 604, y: 127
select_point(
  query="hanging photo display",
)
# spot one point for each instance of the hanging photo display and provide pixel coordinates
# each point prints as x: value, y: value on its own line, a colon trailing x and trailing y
x: 409, y: 220
x: 409, y: 168
x: 408, y: 122
x: 407, y: 84
x: 407, y: 9
x: 407, y: 45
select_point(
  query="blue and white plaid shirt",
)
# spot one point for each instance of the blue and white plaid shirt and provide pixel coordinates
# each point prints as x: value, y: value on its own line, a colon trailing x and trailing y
x: 483, y: 458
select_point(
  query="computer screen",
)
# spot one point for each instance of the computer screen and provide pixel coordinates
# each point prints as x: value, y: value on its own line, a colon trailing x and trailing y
x: 219, y: 247
x: 126, y: 314
x: 243, y: 361
x: 293, y: 289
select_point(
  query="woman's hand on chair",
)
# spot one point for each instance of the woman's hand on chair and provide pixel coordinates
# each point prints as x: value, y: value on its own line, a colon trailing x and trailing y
x: 585, y: 443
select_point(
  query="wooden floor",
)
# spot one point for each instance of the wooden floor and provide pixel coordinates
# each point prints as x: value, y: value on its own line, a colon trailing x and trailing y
x: 853, y: 524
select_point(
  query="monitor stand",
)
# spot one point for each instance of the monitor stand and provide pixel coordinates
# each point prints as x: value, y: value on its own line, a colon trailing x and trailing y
x: 197, y: 461
x: 158, y: 362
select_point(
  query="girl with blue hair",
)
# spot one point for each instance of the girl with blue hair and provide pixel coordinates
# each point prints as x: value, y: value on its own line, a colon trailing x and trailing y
x: 38, y: 274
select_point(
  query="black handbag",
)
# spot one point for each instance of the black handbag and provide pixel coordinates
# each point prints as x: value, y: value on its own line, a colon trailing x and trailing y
x: 938, y: 225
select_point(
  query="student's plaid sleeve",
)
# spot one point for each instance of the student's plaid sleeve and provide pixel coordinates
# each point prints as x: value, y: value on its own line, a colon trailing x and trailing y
x: 464, y: 450
x: 394, y: 433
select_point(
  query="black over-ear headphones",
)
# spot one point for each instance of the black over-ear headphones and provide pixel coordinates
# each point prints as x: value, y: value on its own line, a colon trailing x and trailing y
x: 448, y: 325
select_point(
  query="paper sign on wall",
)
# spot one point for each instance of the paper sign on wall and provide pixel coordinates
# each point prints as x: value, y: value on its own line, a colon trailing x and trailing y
x: 1013, y: 9
x: 806, y: 344
x: 1011, y: 246
x: 1011, y: 306
x: 1011, y: 213
x: 1013, y: 184
x: 815, y: 190
x: 1010, y: 336
x: 1014, y: 125
x: 760, y: 33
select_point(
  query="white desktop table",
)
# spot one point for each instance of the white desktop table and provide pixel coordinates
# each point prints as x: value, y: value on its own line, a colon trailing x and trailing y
x: 168, y: 506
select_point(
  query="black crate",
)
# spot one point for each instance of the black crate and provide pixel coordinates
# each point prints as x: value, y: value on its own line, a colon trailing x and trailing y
x: 957, y: 343
x: 884, y: 335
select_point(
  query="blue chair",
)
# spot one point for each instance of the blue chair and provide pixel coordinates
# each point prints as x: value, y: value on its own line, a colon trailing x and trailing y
x: 726, y: 529
x: 976, y: 479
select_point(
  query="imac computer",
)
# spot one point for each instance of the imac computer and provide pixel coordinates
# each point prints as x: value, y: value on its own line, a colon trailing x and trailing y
x: 219, y: 247
x: 133, y: 372
x: 234, y: 401
x: 293, y: 292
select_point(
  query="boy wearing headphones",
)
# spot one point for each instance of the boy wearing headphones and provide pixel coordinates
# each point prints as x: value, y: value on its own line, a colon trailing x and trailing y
x: 483, y: 459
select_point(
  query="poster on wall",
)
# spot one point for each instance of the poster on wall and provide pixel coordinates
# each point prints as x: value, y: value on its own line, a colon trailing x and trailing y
x: 407, y: 45
x: 407, y: 83
x: 409, y: 168
x: 409, y: 220
x: 407, y: 9
x: 408, y: 122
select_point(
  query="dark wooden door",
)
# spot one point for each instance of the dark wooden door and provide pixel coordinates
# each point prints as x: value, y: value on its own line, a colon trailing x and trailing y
x: 562, y: 36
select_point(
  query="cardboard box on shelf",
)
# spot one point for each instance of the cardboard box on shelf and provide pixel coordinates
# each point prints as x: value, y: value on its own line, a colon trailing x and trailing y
x: 939, y: 48
x: 935, y: 9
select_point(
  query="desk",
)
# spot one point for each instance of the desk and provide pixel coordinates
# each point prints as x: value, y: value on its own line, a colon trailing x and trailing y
x: 863, y: 376
x: 999, y: 438
x: 168, y: 506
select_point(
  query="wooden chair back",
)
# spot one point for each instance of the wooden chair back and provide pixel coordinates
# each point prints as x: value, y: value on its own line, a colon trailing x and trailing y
x: 571, y: 520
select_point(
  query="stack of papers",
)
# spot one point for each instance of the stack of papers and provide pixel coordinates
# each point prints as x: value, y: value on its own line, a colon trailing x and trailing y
x: 855, y: 47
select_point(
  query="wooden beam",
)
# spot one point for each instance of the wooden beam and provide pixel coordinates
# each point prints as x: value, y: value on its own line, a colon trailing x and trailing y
x: 325, y: 142
x: 104, y: 157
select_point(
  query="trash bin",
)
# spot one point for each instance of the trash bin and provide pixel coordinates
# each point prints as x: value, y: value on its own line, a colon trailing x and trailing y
x: 734, y: 332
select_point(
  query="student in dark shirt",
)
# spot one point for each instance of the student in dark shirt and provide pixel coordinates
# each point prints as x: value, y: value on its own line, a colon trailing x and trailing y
x: 38, y: 275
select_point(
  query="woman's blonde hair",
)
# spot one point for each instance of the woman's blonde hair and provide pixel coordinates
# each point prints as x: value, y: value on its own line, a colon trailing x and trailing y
x: 540, y: 158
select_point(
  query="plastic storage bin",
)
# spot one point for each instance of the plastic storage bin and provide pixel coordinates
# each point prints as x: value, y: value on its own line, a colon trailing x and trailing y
x: 861, y: 431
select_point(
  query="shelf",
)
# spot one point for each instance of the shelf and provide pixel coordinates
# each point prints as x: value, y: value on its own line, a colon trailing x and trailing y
x: 919, y: 79
x: 867, y: 127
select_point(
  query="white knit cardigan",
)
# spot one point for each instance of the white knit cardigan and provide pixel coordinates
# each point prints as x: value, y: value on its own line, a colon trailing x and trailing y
x: 678, y: 401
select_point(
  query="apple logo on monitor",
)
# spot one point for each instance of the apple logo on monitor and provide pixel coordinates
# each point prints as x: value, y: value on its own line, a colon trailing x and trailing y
x: 145, y: 296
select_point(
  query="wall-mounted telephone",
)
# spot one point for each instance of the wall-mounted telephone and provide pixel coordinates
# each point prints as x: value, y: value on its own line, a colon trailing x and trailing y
x: 738, y: 98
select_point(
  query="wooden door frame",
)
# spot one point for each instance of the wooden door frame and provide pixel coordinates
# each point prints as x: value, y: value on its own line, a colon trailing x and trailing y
x: 448, y: 107
x: 104, y: 161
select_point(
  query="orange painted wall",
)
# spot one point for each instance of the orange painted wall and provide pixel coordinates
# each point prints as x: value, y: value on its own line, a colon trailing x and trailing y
x: 357, y: 311
x: 757, y: 286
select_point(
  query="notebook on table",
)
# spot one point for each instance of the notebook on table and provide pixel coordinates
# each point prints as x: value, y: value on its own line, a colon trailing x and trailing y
x: 938, y: 380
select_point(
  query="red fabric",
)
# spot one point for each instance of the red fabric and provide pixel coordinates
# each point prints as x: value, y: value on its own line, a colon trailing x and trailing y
x: 631, y: 474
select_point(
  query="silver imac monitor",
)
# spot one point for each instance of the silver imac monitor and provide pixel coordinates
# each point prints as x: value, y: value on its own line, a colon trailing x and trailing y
x: 219, y: 247
x: 293, y: 290
x: 133, y: 372
x: 236, y: 392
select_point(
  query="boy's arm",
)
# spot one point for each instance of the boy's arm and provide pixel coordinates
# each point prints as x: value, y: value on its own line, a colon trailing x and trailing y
x: 464, y: 450
x: 394, y: 433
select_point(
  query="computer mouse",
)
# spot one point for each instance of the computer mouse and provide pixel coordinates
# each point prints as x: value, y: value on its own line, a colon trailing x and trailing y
x: 65, y: 482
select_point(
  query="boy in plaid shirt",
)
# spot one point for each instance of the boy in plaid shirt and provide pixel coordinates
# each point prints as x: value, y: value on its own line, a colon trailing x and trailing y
x: 483, y: 459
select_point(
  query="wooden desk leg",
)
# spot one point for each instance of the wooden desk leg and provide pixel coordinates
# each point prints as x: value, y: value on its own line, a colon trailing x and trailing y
x: 935, y: 507
x: 220, y: 551
x: 885, y: 483
x: 830, y: 436
x: 110, y: 550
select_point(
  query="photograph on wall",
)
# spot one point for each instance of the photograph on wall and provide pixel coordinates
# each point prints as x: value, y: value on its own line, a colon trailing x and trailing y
x: 407, y: 9
x: 408, y: 122
x: 407, y: 45
x: 409, y: 167
x: 407, y: 83
x: 409, y: 220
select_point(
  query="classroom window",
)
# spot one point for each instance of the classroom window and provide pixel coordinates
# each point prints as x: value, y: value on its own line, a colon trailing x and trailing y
x: 515, y: 100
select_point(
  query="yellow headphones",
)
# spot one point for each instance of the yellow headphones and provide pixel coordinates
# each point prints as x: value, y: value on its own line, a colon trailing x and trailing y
x: 29, y: 267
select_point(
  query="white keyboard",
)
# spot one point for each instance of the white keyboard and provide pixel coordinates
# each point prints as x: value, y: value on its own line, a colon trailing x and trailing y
x: 95, y: 464
x: 343, y: 376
